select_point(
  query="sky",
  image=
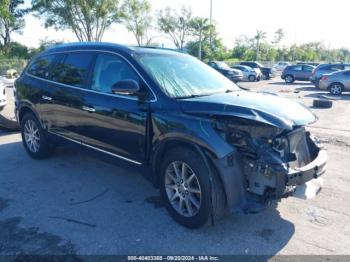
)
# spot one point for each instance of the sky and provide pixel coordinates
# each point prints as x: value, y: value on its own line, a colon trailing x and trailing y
x: 302, y: 21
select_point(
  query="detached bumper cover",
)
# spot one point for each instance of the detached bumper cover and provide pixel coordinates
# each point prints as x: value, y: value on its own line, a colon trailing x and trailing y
x: 315, y: 169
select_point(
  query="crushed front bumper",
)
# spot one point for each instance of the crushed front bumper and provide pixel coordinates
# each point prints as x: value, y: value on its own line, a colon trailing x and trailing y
x: 299, y: 176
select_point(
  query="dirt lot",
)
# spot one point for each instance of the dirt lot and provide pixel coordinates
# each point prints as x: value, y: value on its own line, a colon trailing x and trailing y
x: 45, y: 205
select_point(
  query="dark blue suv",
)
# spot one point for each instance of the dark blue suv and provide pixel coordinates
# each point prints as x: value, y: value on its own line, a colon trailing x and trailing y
x: 205, y: 143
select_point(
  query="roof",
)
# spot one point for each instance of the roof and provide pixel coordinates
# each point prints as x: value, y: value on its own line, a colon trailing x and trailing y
x: 110, y: 47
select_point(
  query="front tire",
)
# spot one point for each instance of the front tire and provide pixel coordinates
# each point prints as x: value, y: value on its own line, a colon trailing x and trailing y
x: 289, y: 79
x: 34, y: 138
x: 190, y: 195
x: 251, y: 78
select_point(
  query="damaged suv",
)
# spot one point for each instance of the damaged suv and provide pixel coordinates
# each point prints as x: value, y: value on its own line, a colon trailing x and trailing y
x: 205, y: 143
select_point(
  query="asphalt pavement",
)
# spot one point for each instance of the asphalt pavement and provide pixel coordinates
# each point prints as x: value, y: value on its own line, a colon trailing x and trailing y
x: 73, y: 203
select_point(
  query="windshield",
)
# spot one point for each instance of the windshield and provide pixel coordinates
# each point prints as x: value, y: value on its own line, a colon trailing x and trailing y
x: 181, y: 76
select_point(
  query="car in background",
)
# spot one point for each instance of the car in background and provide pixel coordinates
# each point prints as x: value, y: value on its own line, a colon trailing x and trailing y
x: 280, y: 66
x: 249, y: 74
x: 3, y: 97
x: 233, y: 74
x: 308, y: 63
x: 322, y: 69
x: 266, y: 72
x: 297, y: 73
x: 336, y: 82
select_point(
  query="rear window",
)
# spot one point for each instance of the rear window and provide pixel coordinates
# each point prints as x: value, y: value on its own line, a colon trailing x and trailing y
x: 41, y: 66
x: 73, y: 70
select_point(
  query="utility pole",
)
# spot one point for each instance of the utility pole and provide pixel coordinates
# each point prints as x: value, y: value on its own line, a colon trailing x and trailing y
x: 211, y: 22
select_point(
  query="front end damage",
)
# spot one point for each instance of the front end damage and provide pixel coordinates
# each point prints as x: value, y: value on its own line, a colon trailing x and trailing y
x: 272, y: 161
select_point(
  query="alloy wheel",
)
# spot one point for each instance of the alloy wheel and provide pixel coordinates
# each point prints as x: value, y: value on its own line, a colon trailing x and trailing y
x: 183, y: 189
x: 336, y: 89
x: 32, y: 136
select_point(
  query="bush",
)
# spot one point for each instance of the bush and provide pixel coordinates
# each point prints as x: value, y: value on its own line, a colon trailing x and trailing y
x: 14, y: 64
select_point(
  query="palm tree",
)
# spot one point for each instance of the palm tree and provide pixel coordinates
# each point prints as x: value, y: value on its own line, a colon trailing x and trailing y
x: 199, y: 26
x: 260, y: 35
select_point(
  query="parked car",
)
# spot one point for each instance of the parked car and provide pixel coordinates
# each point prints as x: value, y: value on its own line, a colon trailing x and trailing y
x: 297, y: 73
x: 308, y: 63
x: 207, y: 144
x: 336, y: 82
x: 280, y: 66
x: 326, y: 69
x: 266, y: 72
x: 233, y: 74
x: 249, y: 74
x: 3, y: 97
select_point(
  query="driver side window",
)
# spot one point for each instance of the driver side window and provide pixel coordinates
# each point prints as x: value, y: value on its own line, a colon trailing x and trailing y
x: 110, y: 69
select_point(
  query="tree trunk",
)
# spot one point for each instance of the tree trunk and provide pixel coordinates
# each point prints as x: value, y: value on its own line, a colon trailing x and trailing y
x: 257, y: 50
x: 200, y: 46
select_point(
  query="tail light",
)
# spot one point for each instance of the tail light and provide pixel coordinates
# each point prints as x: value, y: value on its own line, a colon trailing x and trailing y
x: 324, y: 78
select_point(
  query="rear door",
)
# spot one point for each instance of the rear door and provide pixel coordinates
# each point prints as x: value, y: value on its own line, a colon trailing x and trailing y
x: 31, y: 89
x: 307, y: 72
x: 297, y: 72
x: 64, y: 94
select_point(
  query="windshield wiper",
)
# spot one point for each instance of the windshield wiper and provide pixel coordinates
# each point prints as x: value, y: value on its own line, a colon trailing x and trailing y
x: 192, y: 96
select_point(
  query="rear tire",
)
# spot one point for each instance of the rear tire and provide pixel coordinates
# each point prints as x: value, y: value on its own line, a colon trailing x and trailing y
x: 34, y: 137
x: 336, y: 89
x: 203, y: 192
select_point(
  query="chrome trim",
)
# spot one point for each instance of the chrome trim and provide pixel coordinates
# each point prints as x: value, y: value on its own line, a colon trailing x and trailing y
x: 89, y: 90
x: 97, y: 149
x: 89, y: 109
x: 46, y: 98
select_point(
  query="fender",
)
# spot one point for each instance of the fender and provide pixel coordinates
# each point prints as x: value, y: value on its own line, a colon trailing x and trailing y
x: 26, y: 105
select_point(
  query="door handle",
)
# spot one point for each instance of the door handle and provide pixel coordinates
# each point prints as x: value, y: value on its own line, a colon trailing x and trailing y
x: 89, y: 109
x: 46, y: 98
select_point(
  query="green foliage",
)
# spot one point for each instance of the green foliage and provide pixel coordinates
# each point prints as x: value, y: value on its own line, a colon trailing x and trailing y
x: 135, y: 14
x: 88, y: 19
x: 175, y: 24
x: 7, y: 64
x: 11, y: 20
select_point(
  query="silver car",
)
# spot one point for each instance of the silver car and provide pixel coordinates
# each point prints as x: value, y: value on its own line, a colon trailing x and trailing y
x: 3, y: 98
x: 249, y: 74
x: 322, y: 69
x: 336, y: 82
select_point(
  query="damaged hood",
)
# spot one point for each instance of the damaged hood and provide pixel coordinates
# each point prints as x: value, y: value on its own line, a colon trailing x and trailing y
x: 262, y: 107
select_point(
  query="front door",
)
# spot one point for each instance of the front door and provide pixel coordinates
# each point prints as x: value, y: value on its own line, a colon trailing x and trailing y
x: 114, y: 124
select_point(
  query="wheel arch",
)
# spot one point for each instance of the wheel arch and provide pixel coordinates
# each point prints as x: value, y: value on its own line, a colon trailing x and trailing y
x: 27, y: 108
x: 207, y: 156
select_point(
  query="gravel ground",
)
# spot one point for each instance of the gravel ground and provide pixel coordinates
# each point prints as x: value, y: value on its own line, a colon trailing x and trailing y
x: 72, y: 203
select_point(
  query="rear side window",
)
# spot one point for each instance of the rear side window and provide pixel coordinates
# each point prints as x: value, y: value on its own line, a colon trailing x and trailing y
x: 73, y: 70
x: 297, y: 68
x: 41, y: 66
x: 308, y: 68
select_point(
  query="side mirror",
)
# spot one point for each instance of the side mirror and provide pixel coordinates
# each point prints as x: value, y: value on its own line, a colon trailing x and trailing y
x: 126, y: 87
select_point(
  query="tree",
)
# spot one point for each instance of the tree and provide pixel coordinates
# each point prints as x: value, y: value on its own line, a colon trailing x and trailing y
x: 200, y: 26
x: 11, y: 19
x: 176, y: 25
x: 137, y: 19
x: 279, y: 35
x: 260, y: 35
x: 88, y: 19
